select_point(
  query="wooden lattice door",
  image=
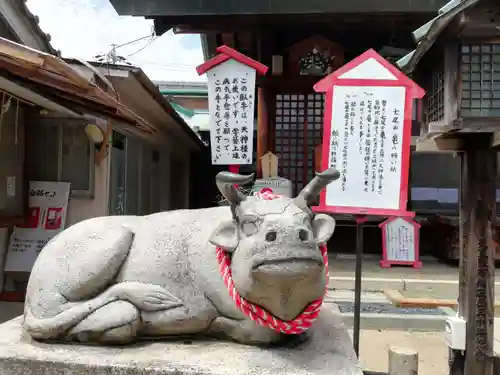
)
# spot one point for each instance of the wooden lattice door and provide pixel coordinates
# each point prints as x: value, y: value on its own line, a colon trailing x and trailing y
x: 298, y: 129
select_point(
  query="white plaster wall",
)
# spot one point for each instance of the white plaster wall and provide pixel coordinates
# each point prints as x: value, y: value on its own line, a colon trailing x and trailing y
x: 165, y: 168
x: 80, y: 209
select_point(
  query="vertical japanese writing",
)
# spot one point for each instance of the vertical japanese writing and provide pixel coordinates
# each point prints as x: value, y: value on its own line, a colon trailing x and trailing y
x: 366, y: 146
x: 352, y: 115
x: 218, y: 119
x: 244, y: 97
x: 226, y: 83
x: 368, y: 141
x: 375, y: 144
x: 381, y: 154
x: 345, y: 146
x: 334, y: 144
x: 395, y: 140
x: 400, y: 241
x: 231, y: 106
x: 403, y: 242
x: 361, y: 131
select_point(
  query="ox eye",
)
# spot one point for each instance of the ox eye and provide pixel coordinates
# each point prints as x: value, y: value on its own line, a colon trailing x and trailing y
x: 271, y: 236
x: 249, y: 228
x: 303, y: 235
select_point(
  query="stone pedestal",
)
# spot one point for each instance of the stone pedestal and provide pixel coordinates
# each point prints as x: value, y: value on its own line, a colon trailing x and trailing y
x: 403, y: 361
x: 327, y: 352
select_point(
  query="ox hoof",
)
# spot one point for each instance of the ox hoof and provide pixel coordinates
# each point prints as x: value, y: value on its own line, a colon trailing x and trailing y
x: 114, y: 323
x: 121, y: 335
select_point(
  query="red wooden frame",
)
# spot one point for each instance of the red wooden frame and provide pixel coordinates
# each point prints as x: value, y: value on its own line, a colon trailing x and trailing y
x: 387, y: 263
x: 226, y: 53
x: 413, y: 91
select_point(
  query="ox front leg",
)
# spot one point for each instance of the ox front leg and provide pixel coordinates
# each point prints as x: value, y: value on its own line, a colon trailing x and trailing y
x: 114, y: 323
x: 243, y: 331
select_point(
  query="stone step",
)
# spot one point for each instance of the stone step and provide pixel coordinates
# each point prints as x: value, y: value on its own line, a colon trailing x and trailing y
x: 410, y: 287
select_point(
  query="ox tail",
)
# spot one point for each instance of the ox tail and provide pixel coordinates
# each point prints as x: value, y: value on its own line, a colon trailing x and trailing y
x: 56, y: 326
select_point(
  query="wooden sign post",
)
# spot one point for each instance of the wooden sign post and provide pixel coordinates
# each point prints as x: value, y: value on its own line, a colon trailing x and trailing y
x: 366, y: 136
x: 269, y: 164
x: 231, y: 98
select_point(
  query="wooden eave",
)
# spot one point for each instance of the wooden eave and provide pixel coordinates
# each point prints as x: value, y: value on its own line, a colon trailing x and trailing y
x: 427, y: 35
x: 48, y: 71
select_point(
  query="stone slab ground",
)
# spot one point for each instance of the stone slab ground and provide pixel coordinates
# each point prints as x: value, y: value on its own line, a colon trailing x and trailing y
x: 435, y: 280
x: 433, y: 353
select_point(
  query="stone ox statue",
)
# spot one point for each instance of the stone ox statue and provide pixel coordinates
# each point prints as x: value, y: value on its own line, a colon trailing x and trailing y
x: 112, y: 280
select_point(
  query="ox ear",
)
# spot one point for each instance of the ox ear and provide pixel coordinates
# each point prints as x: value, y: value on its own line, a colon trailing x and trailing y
x: 323, y: 227
x: 226, y: 236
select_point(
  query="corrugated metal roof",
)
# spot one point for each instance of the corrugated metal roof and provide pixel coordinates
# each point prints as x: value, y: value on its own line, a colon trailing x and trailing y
x: 52, y: 73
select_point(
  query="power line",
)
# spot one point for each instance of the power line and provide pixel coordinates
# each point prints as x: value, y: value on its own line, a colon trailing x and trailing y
x: 143, y: 47
x: 165, y: 65
x: 135, y: 40
x: 151, y: 62
x: 113, y: 58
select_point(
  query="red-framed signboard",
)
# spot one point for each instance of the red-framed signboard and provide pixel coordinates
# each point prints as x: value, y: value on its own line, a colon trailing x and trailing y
x: 400, y: 242
x: 231, y: 78
x: 366, y: 136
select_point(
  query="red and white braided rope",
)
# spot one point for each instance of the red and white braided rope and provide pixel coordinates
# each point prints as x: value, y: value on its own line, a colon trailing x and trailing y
x: 258, y: 314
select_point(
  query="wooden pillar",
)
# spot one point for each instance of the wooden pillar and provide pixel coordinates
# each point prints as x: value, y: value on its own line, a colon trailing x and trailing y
x: 262, y: 127
x: 477, y: 270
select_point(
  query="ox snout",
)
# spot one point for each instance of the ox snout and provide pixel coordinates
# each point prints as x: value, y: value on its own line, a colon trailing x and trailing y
x: 291, y: 266
x: 285, y: 285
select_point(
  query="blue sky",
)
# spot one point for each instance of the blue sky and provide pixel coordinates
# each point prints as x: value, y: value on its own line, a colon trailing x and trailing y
x: 85, y: 28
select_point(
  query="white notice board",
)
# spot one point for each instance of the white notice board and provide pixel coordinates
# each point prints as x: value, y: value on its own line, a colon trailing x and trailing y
x: 366, y: 146
x: 231, y: 98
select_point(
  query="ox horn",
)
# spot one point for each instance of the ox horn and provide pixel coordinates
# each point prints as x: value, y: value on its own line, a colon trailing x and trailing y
x: 311, y: 191
x: 225, y: 183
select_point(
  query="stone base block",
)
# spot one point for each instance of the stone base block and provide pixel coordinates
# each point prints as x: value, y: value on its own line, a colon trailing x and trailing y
x: 328, y: 351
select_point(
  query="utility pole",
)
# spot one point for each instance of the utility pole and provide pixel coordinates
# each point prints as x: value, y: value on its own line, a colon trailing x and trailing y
x: 112, y: 57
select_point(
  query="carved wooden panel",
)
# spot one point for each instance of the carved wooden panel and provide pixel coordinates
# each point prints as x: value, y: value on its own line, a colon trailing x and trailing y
x: 325, y: 49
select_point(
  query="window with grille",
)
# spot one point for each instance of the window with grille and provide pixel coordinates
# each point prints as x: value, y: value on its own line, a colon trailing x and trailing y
x: 60, y: 151
x: 299, y: 124
x: 435, y: 99
x: 480, y: 68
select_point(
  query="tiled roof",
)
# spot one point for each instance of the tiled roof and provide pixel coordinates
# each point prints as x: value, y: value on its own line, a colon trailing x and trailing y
x: 34, y: 21
x: 427, y: 34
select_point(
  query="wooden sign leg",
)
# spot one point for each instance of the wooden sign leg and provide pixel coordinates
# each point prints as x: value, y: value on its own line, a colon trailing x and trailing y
x: 234, y: 169
x: 357, y: 282
x: 476, y: 295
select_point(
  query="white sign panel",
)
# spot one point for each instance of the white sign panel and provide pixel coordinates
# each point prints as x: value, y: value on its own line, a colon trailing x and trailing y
x: 400, y: 241
x: 48, y: 204
x: 366, y: 146
x: 231, y: 95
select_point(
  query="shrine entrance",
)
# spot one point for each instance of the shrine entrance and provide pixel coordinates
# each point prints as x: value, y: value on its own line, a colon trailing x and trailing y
x: 298, y: 129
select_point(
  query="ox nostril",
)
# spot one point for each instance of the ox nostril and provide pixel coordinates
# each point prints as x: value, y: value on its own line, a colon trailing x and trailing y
x: 303, y: 235
x: 271, y: 236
